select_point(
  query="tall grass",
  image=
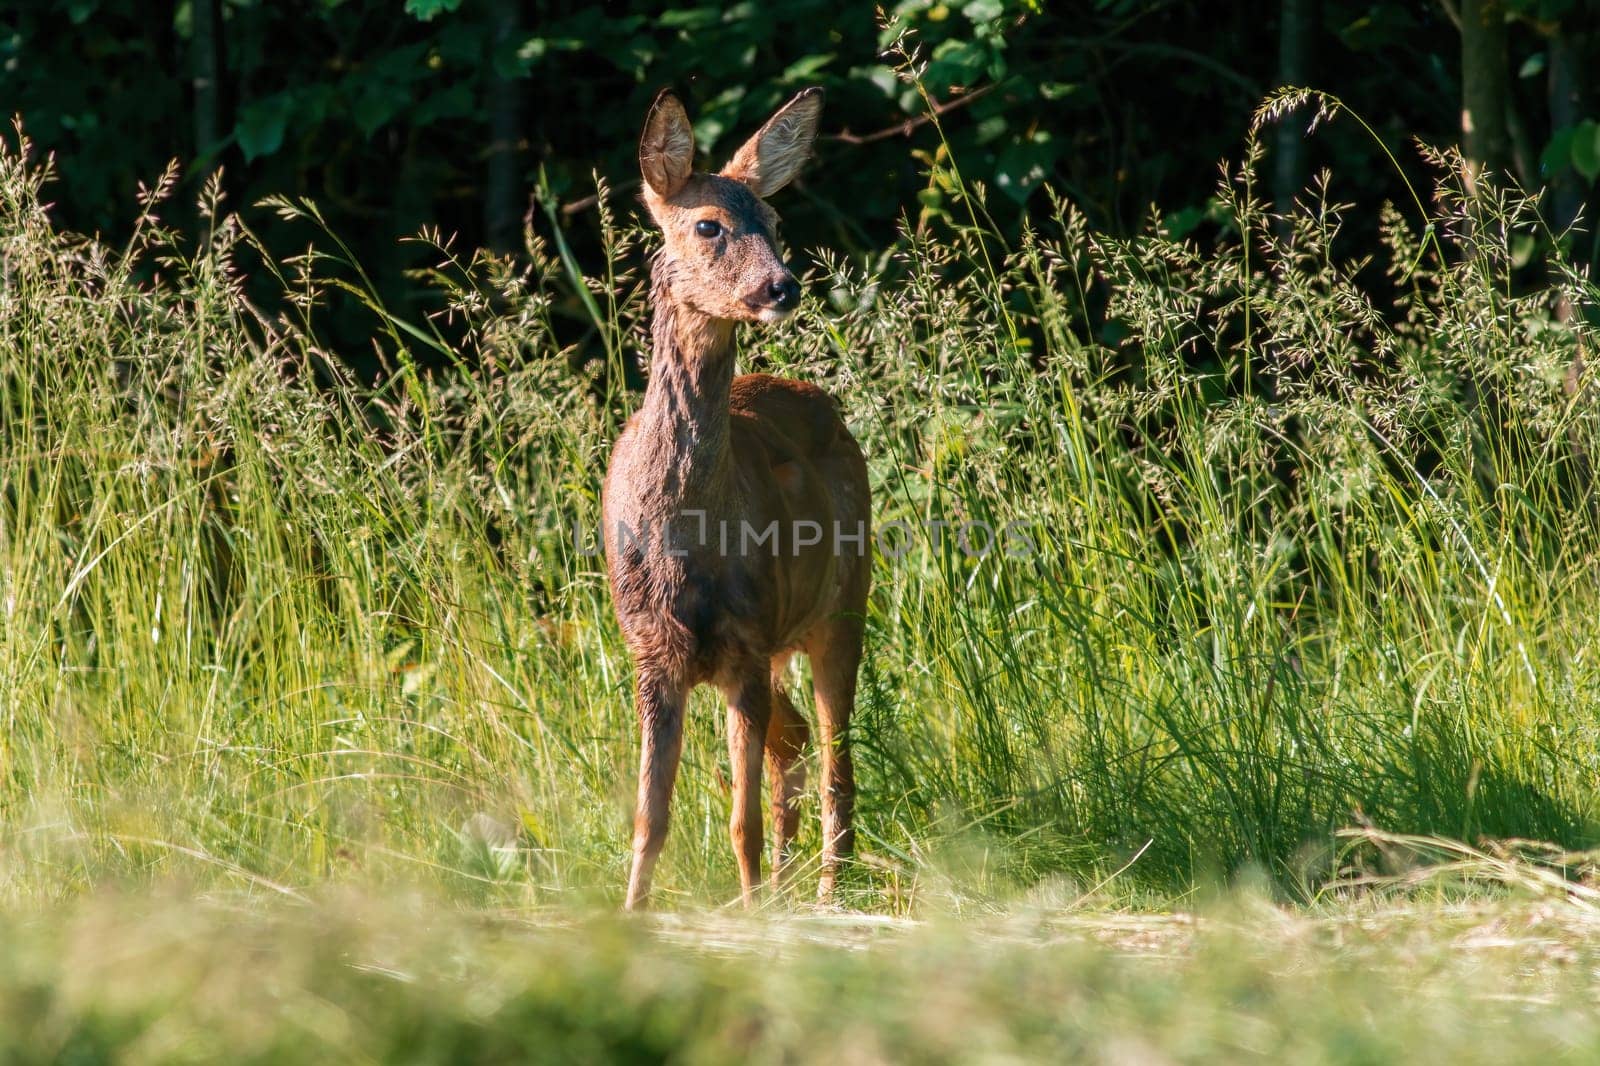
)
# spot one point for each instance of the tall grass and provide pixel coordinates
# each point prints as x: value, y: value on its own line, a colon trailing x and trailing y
x: 1309, y: 543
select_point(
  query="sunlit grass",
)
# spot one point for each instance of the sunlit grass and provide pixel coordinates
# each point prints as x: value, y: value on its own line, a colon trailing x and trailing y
x: 1281, y: 565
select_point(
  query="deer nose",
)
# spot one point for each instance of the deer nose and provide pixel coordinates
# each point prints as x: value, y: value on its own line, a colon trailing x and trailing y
x: 784, y: 293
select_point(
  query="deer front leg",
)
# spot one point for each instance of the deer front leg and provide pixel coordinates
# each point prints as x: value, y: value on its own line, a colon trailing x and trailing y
x: 660, y: 705
x: 749, y: 710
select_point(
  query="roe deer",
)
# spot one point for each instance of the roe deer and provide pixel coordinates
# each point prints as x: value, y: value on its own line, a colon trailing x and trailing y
x: 735, y: 509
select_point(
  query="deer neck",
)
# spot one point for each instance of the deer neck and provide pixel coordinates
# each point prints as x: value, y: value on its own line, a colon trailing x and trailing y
x: 686, y: 401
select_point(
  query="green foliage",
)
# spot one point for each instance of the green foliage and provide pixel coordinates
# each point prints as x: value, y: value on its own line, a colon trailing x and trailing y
x: 428, y: 9
x: 392, y: 116
x: 262, y: 124
x: 1576, y: 146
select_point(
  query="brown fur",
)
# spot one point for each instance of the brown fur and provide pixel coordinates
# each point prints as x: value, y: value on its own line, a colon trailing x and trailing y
x: 707, y: 456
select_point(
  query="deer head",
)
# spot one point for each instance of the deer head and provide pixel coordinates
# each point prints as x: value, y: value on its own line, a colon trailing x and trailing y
x: 720, y: 247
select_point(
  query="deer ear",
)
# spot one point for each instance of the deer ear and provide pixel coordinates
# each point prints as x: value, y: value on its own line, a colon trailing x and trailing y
x: 666, y: 150
x: 770, y: 160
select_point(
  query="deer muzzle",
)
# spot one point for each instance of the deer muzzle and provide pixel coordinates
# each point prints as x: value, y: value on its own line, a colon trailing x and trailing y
x: 777, y: 300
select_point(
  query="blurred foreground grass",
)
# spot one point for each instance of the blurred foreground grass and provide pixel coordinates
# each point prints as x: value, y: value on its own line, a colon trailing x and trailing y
x: 352, y: 978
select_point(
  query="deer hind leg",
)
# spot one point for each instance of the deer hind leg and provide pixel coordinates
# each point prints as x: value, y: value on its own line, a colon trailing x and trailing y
x: 749, y: 713
x: 660, y: 706
x: 787, y: 735
x: 835, y: 656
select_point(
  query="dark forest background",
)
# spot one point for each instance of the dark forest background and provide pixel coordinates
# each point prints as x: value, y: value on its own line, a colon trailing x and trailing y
x: 396, y: 115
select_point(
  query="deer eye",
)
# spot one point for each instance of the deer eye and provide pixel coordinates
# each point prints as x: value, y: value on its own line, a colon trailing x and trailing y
x: 708, y: 228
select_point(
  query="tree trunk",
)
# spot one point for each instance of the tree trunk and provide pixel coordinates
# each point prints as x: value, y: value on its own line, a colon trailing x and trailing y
x: 204, y: 68
x: 1568, y: 94
x: 1296, y: 29
x: 1485, y: 136
x: 502, y: 204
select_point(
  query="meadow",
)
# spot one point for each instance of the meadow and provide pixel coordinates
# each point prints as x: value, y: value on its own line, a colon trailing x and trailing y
x: 1275, y: 735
